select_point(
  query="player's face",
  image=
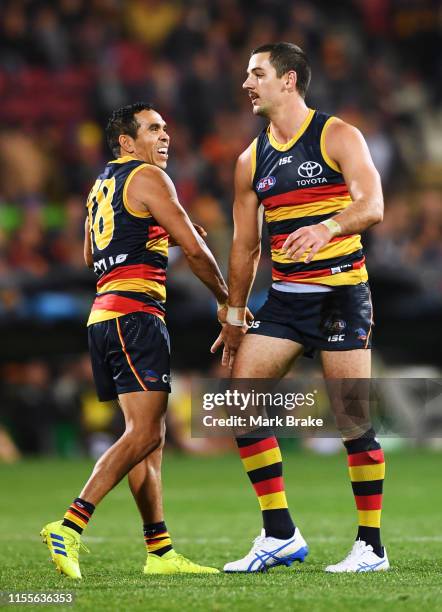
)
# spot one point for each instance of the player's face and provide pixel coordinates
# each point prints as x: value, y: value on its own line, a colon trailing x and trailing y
x: 262, y: 84
x: 152, y: 141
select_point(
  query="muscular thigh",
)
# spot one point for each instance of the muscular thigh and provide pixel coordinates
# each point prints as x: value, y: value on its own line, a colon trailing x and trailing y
x: 265, y: 357
x: 144, y: 410
x: 346, y: 364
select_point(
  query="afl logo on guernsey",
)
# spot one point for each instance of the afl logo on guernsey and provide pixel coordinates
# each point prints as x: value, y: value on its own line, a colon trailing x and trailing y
x: 266, y: 183
x: 309, y: 169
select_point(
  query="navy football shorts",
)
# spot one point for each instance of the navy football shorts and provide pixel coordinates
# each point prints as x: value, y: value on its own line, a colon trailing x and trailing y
x: 130, y: 353
x: 339, y: 320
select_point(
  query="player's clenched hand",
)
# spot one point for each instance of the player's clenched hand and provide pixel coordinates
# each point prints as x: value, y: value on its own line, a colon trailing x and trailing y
x: 231, y: 336
x: 310, y: 238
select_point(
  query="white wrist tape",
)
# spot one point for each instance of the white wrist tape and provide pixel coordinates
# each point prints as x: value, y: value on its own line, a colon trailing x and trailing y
x: 236, y: 316
x: 333, y: 226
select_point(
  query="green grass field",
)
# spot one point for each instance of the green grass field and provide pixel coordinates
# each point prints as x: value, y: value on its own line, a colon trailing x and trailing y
x: 212, y: 515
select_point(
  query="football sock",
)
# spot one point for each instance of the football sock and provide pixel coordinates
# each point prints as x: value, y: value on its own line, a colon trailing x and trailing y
x: 78, y: 514
x: 157, y: 538
x: 366, y: 466
x: 262, y: 461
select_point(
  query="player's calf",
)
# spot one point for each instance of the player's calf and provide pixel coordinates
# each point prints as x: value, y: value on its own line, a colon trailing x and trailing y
x: 366, y: 465
x: 261, y: 458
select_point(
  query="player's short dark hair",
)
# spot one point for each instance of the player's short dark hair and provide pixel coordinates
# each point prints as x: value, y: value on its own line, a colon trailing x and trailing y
x: 285, y: 56
x: 123, y: 121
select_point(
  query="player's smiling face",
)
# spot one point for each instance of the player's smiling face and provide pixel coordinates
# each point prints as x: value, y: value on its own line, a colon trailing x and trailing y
x: 152, y: 141
x: 262, y: 84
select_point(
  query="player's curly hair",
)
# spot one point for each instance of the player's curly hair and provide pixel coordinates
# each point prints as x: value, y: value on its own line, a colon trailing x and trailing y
x: 123, y: 121
x: 285, y: 56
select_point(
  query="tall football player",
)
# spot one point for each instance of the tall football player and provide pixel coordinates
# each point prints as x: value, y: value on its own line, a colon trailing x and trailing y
x: 313, y: 176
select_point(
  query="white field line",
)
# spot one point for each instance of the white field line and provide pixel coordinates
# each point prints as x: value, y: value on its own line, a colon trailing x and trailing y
x: 223, y: 540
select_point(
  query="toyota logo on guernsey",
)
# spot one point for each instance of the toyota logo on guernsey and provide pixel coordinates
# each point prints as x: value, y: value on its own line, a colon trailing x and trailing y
x: 266, y: 183
x: 309, y: 169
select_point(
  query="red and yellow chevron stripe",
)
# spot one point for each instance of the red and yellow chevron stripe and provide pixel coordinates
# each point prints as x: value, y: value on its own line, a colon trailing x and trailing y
x: 110, y: 306
x: 77, y: 515
x: 264, y: 454
x: 366, y: 467
x: 158, y: 541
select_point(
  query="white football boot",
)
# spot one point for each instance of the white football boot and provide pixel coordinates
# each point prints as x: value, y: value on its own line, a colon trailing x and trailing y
x: 361, y: 559
x: 270, y: 552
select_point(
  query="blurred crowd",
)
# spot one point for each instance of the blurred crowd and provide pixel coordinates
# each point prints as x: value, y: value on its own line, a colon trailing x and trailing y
x: 52, y: 408
x: 66, y: 65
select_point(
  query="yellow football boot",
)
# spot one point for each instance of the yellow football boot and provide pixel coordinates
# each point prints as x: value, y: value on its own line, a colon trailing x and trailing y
x: 64, y: 545
x: 173, y: 563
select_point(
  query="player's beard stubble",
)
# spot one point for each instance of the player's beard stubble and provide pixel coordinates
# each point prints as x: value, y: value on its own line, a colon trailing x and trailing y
x: 262, y: 111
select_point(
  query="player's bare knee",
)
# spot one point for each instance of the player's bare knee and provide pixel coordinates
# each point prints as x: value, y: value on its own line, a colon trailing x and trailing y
x: 143, y: 442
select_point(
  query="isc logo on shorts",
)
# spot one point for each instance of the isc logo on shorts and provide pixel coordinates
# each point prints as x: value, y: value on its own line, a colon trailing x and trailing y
x: 255, y: 324
x: 336, y: 338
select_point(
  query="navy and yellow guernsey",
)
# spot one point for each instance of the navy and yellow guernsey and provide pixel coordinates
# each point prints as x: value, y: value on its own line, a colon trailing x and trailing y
x: 299, y: 185
x: 130, y: 249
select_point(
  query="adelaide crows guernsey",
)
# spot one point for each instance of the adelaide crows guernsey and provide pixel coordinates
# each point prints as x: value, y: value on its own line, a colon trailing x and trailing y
x: 299, y: 185
x: 129, y: 248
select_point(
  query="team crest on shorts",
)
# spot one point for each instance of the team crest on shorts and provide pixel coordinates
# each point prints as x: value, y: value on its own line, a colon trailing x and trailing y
x: 337, y: 326
x: 150, y: 376
x: 361, y: 334
x: 266, y: 183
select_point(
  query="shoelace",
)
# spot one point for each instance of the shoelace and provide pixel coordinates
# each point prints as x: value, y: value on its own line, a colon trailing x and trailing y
x: 73, y: 546
x: 357, y: 546
x: 258, y: 541
x: 84, y: 547
x: 183, y: 559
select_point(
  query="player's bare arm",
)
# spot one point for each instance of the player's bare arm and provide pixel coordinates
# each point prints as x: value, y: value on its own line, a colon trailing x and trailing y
x: 244, y: 258
x: 346, y: 146
x: 87, y: 249
x: 198, y: 228
x: 246, y: 244
x: 152, y: 190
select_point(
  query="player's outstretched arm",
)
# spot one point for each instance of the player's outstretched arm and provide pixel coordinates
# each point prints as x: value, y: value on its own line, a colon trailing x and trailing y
x: 244, y: 258
x: 346, y: 146
x: 151, y: 189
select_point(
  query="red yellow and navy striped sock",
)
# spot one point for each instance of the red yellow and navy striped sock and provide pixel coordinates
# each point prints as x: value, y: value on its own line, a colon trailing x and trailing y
x: 366, y: 466
x: 157, y: 538
x: 262, y: 461
x: 78, y: 514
